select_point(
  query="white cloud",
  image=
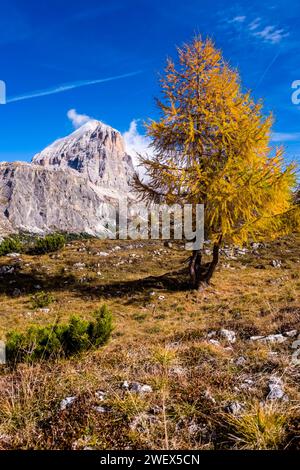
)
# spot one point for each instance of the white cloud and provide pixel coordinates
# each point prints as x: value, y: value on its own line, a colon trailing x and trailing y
x: 136, y: 143
x: 271, y: 34
x: 285, y: 136
x: 77, y: 119
x: 254, y: 24
x: 238, y: 19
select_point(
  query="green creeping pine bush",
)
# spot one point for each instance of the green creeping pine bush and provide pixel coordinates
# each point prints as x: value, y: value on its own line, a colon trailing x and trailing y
x: 59, y: 340
x: 10, y: 245
x: 41, y: 299
x: 48, y: 244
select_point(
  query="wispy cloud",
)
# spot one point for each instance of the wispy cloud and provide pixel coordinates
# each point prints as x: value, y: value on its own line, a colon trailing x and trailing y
x: 254, y: 24
x: 270, y: 34
x: 77, y: 119
x: 68, y: 86
x: 285, y: 136
x: 238, y: 19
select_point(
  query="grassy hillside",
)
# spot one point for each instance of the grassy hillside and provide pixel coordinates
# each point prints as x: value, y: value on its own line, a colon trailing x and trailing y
x: 205, y: 388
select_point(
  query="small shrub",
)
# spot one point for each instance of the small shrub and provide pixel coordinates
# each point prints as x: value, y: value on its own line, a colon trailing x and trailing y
x: 264, y: 427
x: 70, y: 237
x: 48, y: 244
x: 10, y: 245
x: 41, y: 300
x: 59, y: 340
x: 100, y: 329
x: 75, y: 336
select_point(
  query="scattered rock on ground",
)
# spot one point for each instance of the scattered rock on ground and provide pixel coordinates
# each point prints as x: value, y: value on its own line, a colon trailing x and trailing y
x: 211, y: 334
x: 13, y: 255
x: 277, y: 338
x: 100, y: 409
x: 256, y: 246
x: 125, y: 385
x: 116, y: 248
x: 100, y: 395
x: 276, y: 263
x: 247, y: 384
x: 44, y: 310
x: 291, y: 333
x: 234, y: 408
x: 240, y: 361
x: 155, y: 410
x: 6, y: 270
x: 79, y: 265
x: 229, y: 335
x: 66, y: 402
x: 136, y: 387
x: 139, y: 388
x: 168, y: 244
x: 177, y: 370
x: 276, y: 391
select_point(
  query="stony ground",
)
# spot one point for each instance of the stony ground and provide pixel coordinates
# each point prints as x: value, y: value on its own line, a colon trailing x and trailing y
x: 183, y: 370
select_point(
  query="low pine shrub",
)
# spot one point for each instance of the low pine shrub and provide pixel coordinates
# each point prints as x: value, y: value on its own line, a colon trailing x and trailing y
x: 10, y: 245
x: 48, y: 244
x: 59, y: 340
x: 41, y: 300
x: 100, y: 329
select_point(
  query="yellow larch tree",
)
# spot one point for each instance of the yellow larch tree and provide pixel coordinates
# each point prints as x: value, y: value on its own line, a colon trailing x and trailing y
x: 211, y: 146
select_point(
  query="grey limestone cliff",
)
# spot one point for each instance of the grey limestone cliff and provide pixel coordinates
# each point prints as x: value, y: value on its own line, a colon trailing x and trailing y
x: 70, y: 186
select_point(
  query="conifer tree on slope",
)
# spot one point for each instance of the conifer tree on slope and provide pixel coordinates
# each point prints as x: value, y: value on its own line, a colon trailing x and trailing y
x: 211, y: 146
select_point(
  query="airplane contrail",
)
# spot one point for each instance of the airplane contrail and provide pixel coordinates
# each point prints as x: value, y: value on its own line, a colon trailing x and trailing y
x: 68, y: 86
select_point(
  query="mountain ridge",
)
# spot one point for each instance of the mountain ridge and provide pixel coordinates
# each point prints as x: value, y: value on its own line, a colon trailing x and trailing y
x: 69, y: 185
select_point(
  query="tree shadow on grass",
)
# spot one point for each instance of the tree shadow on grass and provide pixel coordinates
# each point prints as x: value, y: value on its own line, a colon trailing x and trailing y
x: 140, y: 290
x: 133, y: 290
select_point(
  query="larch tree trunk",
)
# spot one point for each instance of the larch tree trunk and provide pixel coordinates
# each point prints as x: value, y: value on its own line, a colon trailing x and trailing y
x: 201, y: 274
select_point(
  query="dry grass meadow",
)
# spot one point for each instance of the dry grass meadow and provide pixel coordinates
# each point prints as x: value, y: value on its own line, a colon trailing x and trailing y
x: 205, y: 392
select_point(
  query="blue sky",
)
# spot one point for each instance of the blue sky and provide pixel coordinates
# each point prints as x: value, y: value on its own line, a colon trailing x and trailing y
x: 104, y: 58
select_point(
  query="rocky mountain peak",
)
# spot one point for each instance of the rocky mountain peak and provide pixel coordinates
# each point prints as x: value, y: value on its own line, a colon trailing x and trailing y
x: 95, y: 150
x: 69, y: 186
